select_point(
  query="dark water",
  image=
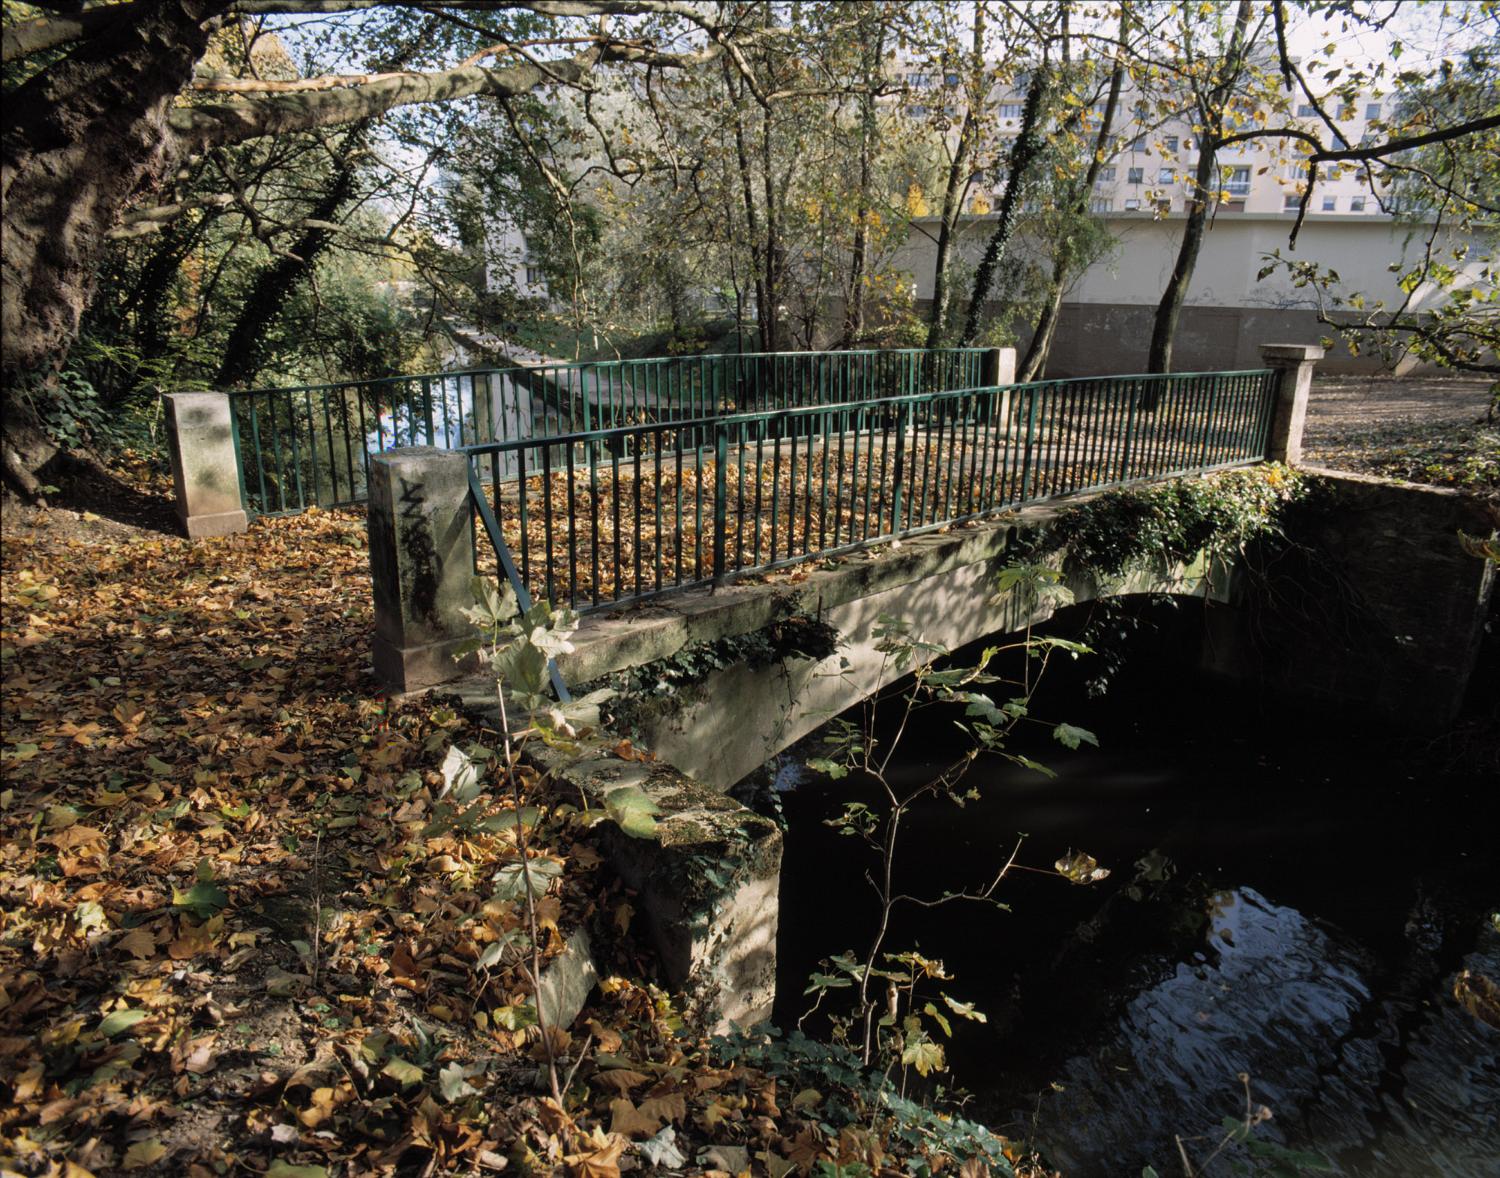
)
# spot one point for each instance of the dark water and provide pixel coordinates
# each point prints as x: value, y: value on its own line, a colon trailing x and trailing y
x: 1292, y: 897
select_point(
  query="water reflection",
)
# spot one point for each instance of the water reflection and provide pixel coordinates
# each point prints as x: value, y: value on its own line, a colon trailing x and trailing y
x: 1296, y: 911
x: 1401, y: 1084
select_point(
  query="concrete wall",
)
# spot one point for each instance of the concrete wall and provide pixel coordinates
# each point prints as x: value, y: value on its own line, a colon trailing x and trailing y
x: 1106, y: 323
x: 1383, y: 609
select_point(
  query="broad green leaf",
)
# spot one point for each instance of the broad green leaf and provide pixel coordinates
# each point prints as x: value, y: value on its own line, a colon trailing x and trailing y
x: 926, y: 1056
x: 460, y: 775
x: 938, y: 1017
x: 203, y: 899
x: 405, y: 1074
x: 1072, y: 736
x: 159, y: 767
x: 633, y: 811
x: 280, y: 1169
x: 831, y: 768
x: 510, y: 880
x: 453, y: 1082
x: 120, y: 1020
x: 143, y: 1154
x: 966, y: 1010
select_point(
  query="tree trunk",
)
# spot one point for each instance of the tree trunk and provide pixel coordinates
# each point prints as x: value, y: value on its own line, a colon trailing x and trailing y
x: 953, y: 192
x: 1037, y: 352
x: 1023, y: 151
x: 1205, y: 184
x: 80, y: 139
x: 1169, y: 310
x: 245, y: 349
x: 854, y: 303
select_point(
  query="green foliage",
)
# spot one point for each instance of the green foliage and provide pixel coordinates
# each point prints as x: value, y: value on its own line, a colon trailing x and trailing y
x: 849, y: 1094
x: 1137, y: 528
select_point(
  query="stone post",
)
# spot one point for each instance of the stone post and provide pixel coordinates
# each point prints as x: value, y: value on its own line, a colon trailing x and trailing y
x: 999, y: 371
x: 1293, y: 364
x: 205, y: 467
x: 421, y: 564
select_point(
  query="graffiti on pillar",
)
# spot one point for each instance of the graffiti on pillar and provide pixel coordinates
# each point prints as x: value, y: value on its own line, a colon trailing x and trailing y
x: 423, y: 563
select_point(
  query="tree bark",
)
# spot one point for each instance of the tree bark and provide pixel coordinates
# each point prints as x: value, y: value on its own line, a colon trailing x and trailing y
x: 1205, y: 185
x: 1023, y: 152
x: 245, y: 349
x: 82, y: 138
x: 1035, y: 362
x: 953, y: 192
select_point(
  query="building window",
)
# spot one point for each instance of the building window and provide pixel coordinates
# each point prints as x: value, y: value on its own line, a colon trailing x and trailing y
x: 1164, y: 206
x: 1106, y: 175
x: 1291, y: 202
x: 919, y: 81
x: 1170, y: 144
x: 1138, y: 143
x: 950, y: 79
x: 1372, y: 111
x: 1165, y: 175
x: 1346, y: 111
x: 1356, y: 204
x: 1135, y: 175
x: 1330, y: 204
x: 1010, y: 110
x: 916, y: 112
x: 1132, y: 203
x: 1306, y: 110
x: 1101, y: 204
x: 534, y: 275
x: 1238, y: 184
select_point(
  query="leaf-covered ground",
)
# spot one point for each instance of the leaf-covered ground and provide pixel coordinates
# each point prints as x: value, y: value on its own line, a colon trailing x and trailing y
x: 233, y: 940
x: 1421, y: 429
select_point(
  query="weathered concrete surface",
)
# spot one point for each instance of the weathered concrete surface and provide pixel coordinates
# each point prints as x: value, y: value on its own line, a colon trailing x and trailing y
x: 205, y: 468
x: 1293, y: 364
x: 421, y: 564
x: 706, y: 883
x: 1412, y: 601
x: 943, y: 584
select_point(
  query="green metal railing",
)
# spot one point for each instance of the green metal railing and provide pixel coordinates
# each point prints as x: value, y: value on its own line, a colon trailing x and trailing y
x: 599, y: 517
x: 310, y: 445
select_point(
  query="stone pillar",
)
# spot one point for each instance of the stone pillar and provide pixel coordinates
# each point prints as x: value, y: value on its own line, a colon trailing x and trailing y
x: 999, y: 367
x: 999, y: 371
x: 205, y: 467
x: 421, y: 564
x: 1294, y: 367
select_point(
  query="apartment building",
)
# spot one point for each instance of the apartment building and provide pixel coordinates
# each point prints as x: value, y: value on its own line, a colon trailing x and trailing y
x: 1151, y: 172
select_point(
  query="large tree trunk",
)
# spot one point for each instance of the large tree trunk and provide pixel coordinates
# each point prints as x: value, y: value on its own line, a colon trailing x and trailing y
x: 854, y: 302
x: 80, y: 139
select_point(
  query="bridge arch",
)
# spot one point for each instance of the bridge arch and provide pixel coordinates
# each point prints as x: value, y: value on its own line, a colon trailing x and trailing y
x: 944, y: 586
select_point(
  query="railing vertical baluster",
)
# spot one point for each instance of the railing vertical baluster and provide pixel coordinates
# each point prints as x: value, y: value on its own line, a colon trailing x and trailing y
x: 572, y: 532
x: 776, y: 442
x: 899, y: 470
x: 760, y: 469
x: 721, y: 498
x: 593, y: 453
x: 618, y: 574
x: 521, y: 495
x: 636, y: 484
x: 547, y: 522
x: 656, y: 480
x: 1026, y: 462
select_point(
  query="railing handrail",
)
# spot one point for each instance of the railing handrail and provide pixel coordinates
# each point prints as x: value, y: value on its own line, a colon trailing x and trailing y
x: 543, y: 366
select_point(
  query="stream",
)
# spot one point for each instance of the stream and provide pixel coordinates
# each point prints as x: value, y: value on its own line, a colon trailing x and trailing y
x: 1292, y: 897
